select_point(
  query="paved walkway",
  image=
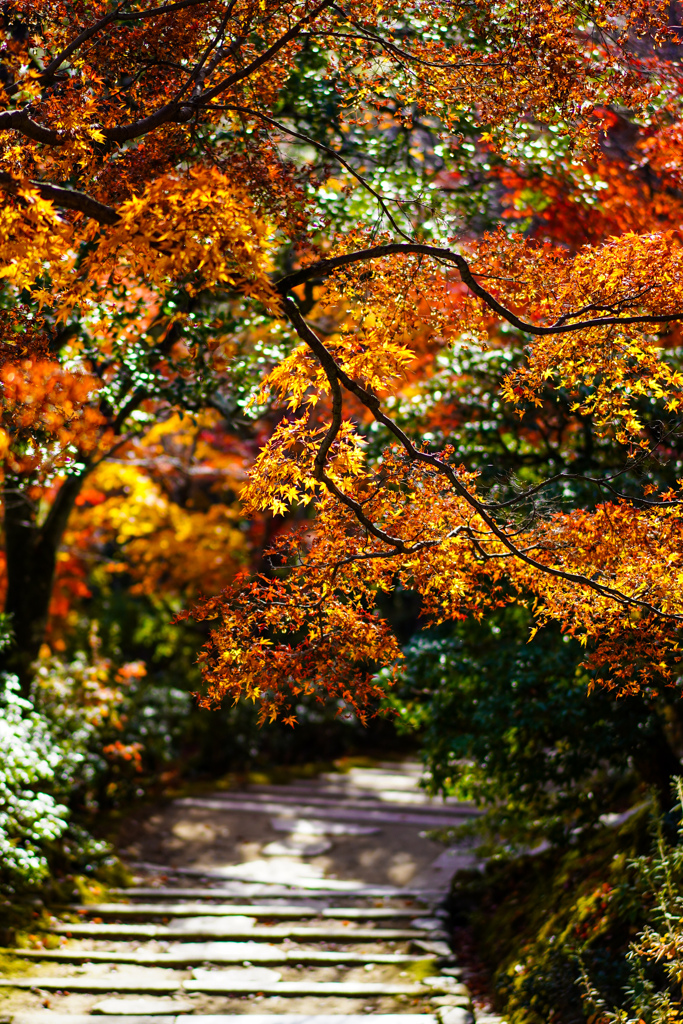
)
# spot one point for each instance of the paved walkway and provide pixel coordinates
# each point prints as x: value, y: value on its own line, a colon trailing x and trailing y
x: 319, y: 902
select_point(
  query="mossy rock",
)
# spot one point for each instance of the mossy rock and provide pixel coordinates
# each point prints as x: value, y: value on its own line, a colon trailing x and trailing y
x: 11, y: 965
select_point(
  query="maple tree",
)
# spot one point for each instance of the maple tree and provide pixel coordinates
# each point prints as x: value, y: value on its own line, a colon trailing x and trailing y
x: 293, y: 170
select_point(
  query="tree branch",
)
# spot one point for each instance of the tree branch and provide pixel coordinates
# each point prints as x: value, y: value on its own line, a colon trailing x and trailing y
x: 324, y: 267
x: 258, y: 62
x: 20, y: 121
x: 334, y: 372
x: 182, y: 113
x: 69, y: 199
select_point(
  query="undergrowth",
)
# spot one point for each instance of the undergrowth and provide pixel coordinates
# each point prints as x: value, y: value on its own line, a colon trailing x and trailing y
x: 591, y: 933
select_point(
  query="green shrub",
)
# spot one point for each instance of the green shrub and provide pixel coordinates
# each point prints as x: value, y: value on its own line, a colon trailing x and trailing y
x: 76, y: 743
x: 124, y: 729
x: 511, y: 725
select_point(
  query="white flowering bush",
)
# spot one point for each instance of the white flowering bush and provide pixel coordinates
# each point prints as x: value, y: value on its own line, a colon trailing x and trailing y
x: 30, y: 816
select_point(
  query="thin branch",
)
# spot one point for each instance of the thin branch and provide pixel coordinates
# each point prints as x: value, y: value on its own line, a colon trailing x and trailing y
x: 331, y: 370
x: 329, y: 152
x: 156, y: 12
x: 199, y: 72
x: 258, y: 62
x: 182, y: 113
x: 598, y: 481
x: 172, y: 112
x: 397, y: 51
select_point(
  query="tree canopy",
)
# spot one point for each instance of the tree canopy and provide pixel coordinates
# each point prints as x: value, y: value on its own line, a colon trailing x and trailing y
x: 292, y: 222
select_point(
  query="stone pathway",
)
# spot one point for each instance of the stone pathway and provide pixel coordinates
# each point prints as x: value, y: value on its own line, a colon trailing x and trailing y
x: 318, y: 902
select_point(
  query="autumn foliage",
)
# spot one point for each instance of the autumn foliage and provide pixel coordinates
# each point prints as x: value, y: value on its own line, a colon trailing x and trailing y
x: 289, y: 212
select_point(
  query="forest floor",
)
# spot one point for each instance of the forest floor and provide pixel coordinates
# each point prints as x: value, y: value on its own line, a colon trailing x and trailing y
x: 331, y: 882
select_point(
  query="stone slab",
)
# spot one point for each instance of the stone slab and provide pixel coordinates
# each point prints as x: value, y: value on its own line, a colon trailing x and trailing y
x: 298, y: 846
x: 266, y: 890
x: 143, y: 1007
x: 48, y: 1017
x: 37, y: 1017
x: 455, y: 1015
x: 255, y: 977
x: 224, y: 984
x: 358, y: 799
x: 244, y: 874
x: 436, y: 947
x: 439, y: 874
x: 108, y: 986
x: 364, y: 989
x: 247, y: 911
x: 190, y: 954
x: 315, y: 827
x: 337, y: 813
x: 195, y: 910
x: 207, y: 931
x: 301, y: 1018
x: 429, y: 924
x: 355, y: 793
x: 450, y: 1000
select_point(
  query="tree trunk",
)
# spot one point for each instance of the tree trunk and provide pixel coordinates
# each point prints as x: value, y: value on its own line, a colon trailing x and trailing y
x: 31, y: 552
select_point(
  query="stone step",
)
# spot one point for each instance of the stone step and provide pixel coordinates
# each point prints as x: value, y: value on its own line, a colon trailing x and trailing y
x: 437, y: 948
x: 220, y: 929
x: 310, y: 827
x: 351, y: 793
x: 219, y: 986
x: 363, y: 989
x: 211, y: 952
x: 49, y: 1017
x: 85, y: 1018
x: 274, y: 890
x: 108, y: 985
x: 379, y: 778
x: 234, y: 873
x: 338, y: 812
x: 247, y: 910
x: 229, y: 930
x: 399, y: 802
